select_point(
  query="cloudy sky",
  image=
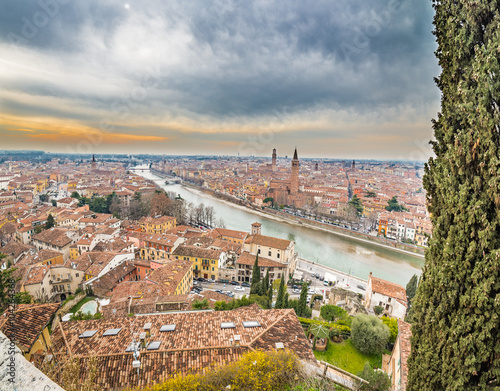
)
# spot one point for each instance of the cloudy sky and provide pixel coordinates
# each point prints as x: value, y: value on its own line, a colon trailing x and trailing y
x: 337, y: 79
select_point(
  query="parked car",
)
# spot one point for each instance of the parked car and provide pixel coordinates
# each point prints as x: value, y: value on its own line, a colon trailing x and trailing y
x: 211, y: 280
x: 201, y: 279
x: 321, y: 278
x: 218, y: 291
x: 245, y: 284
x: 234, y: 283
x: 311, y: 291
x: 361, y: 287
x: 198, y: 288
x: 325, y: 283
x: 239, y: 288
x: 230, y: 294
x: 297, y: 291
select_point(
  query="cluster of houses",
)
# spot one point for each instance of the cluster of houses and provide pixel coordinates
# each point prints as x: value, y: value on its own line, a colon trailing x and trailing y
x: 143, y: 268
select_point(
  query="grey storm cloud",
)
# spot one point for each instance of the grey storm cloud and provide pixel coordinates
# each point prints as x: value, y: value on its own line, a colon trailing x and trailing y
x: 247, y: 57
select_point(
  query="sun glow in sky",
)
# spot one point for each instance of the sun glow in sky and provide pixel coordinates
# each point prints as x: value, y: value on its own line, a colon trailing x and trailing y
x: 338, y: 79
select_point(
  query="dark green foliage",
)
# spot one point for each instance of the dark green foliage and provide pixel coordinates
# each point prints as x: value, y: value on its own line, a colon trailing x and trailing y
x: 411, y: 288
x: 302, y: 306
x: 392, y: 324
x: 269, y: 199
x: 332, y: 312
x: 262, y: 301
x: 54, y: 203
x: 355, y: 202
x: 281, y: 295
x: 44, y: 197
x: 200, y: 304
x: 255, y: 276
x: 75, y: 195
x: 378, y: 309
x: 393, y: 205
x: 456, y: 327
x: 378, y: 380
x: 7, y: 281
x: 369, y: 335
x: 23, y: 298
x: 270, y: 293
x: 265, y: 282
x: 50, y: 222
x: 285, y: 301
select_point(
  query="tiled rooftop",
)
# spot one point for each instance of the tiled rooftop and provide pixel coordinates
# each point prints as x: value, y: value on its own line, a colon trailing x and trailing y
x: 389, y: 289
x: 197, y: 342
x: 30, y: 320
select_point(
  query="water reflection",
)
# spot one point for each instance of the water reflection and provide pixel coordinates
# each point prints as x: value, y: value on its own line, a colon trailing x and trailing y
x: 345, y: 254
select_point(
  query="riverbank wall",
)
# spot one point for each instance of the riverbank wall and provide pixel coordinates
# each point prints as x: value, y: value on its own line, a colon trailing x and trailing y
x: 304, y: 222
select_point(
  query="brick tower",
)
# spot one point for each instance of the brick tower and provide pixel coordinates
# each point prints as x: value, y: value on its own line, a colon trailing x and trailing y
x: 294, y: 180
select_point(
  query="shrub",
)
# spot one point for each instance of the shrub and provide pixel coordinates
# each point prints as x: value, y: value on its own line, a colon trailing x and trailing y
x: 378, y: 309
x: 369, y: 335
x: 392, y: 324
x: 377, y: 379
x: 256, y: 370
x: 332, y: 312
x: 200, y: 304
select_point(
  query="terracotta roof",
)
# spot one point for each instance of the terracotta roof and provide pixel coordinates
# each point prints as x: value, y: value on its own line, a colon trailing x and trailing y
x: 269, y: 241
x: 218, y: 232
x: 179, y: 351
x: 249, y: 259
x: 104, y: 284
x: 30, y: 320
x: 389, y: 289
x: 54, y: 236
x: 14, y: 248
x: 170, y: 274
x: 198, y: 252
x: 36, y: 274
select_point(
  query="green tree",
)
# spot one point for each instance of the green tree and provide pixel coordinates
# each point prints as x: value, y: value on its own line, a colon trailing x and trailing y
x: 265, y: 282
x: 411, y: 288
x: 456, y: 332
x: 285, y: 300
x: 255, y: 276
x: 281, y: 294
x: 392, y: 324
x: 378, y: 380
x: 332, y: 312
x: 270, y: 293
x: 43, y: 197
x: 393, y: 205
x: 7, y: 282
x: 378, y: 309
x: 356, y: 204
x: 50, y: 222
x: 302, y: 306
x: 23, y: 298
x: 75, y: 195
x: 369, y: 335
x: 269, y: 199
x: 200, y: 304
x: 54, y: 203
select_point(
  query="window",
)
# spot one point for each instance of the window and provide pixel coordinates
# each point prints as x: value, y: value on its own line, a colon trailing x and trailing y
x: 278, y: 255
x: 258, y: 251
x: 77, y: 275
x: 269, y: 253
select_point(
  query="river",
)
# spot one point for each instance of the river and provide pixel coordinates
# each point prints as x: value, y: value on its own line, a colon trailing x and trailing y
x: 341, y: 253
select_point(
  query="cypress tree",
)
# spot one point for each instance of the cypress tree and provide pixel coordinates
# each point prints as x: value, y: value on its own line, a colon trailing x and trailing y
x: 285, y: 300
x: 456, y: 327
x: 255, y: 276
x: 281, y: 294
x: 270, y: 294
x: 265, y: 282
x: 301, y: 309
x: 411, y: 288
